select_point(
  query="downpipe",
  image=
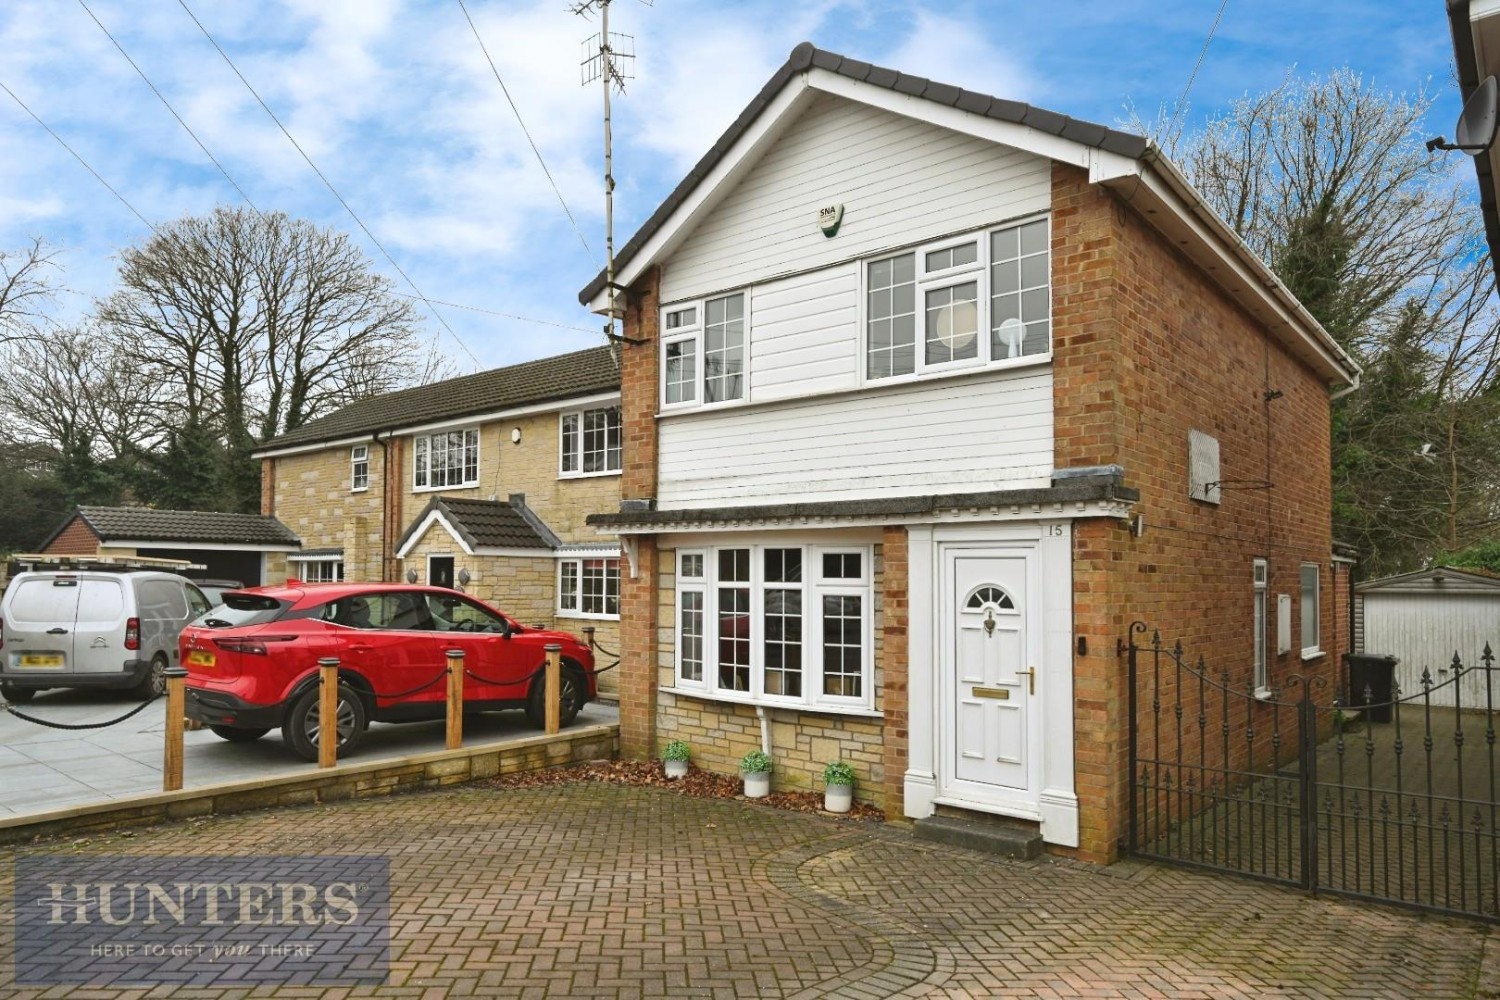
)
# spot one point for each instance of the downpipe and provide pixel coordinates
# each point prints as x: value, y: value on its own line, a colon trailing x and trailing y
x: 765, y: 730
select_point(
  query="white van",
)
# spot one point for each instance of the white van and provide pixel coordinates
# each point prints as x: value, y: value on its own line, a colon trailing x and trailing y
x: 92, y: 628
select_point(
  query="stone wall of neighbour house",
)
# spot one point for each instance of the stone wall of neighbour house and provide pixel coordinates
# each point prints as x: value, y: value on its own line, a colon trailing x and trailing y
x: 1146, y: 347
x: 77, y: 539
x: 268, y: 487
x: 802, y: 741
x: 276, y: 568
x: 311, y: 496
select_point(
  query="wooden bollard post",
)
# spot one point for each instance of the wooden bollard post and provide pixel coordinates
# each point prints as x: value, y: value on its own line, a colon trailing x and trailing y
x: 328, y: 711
x: 455, y: 698
x: 554, y: 687
x: 171, y: 771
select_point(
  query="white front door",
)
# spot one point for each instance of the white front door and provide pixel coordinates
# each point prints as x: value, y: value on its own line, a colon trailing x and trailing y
x: 992, y: 746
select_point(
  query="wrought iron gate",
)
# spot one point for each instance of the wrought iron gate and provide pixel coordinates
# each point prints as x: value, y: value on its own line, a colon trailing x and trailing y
x: 1303, y: 788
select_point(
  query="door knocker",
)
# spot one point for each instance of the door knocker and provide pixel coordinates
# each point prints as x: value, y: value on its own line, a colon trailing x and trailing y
x: 989, y: 622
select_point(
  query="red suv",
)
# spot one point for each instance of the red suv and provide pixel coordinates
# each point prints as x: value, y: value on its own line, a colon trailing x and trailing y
x: 253, y: 661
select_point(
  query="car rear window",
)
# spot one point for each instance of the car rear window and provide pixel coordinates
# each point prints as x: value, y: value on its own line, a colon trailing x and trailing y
x: 101, y: 601
x: 243, y: 609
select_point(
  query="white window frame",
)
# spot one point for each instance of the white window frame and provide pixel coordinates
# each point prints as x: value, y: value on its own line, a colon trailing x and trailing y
x: 814, y: 587
x: 328, y: 569
x: 571, y: 458
x: 978, y: 272
x: 694, y: 334
x: 1260, y: 577
x: 421, y: 460
x: 359, y: 455
x: 570, y: 595
x: 1315, y: 648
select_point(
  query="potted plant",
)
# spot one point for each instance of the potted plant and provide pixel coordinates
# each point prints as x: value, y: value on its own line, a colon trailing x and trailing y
x: 838, y: 786
x: 675, y: 756
x: 755, y: 771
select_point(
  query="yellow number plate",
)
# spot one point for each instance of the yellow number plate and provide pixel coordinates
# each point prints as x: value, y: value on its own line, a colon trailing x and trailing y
x: 200, y: 658
x: 42, y: 661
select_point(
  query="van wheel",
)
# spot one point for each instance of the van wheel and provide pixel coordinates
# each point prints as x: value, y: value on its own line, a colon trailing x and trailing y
x: 155, y: 681
x: 303, y: 727
x: 238, y: 734
x: 16, y: 695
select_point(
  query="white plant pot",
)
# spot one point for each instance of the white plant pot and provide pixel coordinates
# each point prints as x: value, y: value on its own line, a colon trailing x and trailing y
x: 757, y: 784
x: 676, y: 768
x: 838, y: 798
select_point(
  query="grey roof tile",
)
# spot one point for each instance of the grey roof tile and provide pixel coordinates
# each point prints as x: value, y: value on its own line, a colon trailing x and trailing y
x: 149, y: 524
x: 806, y: 56
x: 488, y: 523
x: 580, y: 373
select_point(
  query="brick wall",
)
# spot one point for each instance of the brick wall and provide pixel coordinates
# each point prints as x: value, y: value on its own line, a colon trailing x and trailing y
x: 77, y: 539
x: 1146, y: 348
x: 639, y: 371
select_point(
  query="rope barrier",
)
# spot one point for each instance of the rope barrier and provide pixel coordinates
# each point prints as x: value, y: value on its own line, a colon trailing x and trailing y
x: 420, y: 687
x: 87, y: 725
x: 486, y: 680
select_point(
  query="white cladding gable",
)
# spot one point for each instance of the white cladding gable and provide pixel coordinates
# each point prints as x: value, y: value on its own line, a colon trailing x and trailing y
x: 965, y: 434
x: 900, y: 180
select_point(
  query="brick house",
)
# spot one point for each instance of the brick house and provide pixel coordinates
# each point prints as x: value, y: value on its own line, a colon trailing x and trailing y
x: 480, y: 482
x: 929, y: 396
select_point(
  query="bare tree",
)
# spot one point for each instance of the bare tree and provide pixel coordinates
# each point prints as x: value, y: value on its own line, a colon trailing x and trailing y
x: 260, y: 322
x: 25, y: 288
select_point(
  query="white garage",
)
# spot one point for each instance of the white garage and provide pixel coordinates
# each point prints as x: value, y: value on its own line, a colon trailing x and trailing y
x: 1424, y: 618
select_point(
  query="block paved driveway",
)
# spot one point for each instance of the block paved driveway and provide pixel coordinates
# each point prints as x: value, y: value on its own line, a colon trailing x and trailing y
x: 592, y: 890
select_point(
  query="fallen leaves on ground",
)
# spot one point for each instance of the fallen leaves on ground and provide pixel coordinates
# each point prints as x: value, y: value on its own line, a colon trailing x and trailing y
x: 698, y: 784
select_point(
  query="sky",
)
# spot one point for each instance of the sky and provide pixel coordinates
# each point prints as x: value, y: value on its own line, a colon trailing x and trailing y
x: 396, y: 105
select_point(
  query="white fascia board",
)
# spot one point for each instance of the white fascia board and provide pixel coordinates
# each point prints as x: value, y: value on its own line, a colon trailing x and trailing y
x: 436, y: 517
x: 766, y: 128
x: 586, y: 551
x: 302, y: 449
x: 205, y: 546
x: 1016, y: 136
x: 1479, y: 10
x: 1244, y: 274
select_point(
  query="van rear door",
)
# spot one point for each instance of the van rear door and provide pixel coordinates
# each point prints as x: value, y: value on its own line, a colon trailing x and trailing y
x: 99, y: 635
x: 43, y: 612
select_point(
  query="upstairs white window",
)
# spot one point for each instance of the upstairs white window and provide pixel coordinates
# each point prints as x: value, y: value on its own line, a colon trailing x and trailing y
x: 705, y: 351
x: 446, y: 459
x: 977, y: 300
x: 591, y: 442
x: 359, y: 468
x: 777, y: 624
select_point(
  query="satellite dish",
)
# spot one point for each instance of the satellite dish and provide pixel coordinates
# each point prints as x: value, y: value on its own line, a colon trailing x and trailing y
x: 1475, y: 130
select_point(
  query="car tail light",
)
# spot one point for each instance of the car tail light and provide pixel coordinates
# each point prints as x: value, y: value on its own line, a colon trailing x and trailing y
x: 132, y: 633
x: 254, y: 646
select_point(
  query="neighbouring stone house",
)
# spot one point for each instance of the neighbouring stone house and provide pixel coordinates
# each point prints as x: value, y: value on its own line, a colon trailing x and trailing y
x: 480, y: 482
x: 933, y: 394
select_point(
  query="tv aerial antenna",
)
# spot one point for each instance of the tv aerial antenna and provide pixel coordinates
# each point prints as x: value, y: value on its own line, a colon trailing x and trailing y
x: 608, y: 57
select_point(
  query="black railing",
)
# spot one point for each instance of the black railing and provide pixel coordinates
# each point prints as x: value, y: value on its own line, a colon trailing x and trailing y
x: 1285, y: 787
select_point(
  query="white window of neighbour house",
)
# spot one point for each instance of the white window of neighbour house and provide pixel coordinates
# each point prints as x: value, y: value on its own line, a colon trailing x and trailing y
x: 1311, y: 611
x: 590, y: 442
x: 446, y: 459
x: 588, y: 588
x: 359, y: 468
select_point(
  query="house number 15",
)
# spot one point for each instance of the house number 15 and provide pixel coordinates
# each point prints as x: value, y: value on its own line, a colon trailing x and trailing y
x: 1054, y: 530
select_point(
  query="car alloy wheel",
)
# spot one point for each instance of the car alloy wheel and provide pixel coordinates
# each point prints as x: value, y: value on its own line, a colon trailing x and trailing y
x: 303, y: 726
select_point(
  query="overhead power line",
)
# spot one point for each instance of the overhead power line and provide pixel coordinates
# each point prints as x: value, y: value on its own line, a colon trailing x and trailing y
x: 496, y: 312
x: 527, y: 132
x: 168, y: 105
x: 1182, y: 101
x: 328, y: 184
x: 62, y: 142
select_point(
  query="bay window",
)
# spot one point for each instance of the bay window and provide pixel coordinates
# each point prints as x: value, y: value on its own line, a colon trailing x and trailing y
x: 777, y: 624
